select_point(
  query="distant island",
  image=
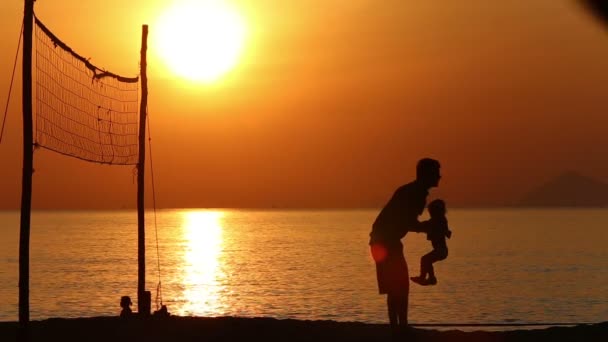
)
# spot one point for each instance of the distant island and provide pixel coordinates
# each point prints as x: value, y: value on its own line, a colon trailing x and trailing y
x: 570, y: 189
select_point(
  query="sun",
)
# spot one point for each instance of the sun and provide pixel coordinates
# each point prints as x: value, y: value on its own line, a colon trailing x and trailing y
x: 200, y: 40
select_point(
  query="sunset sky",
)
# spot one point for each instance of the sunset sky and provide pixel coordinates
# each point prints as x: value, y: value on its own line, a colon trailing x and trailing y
x: 331, y: 103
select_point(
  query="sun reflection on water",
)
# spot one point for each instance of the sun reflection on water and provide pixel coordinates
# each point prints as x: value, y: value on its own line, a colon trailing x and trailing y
x: 201, y: 272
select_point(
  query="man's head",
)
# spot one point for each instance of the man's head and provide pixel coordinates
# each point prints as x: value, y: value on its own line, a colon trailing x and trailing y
x: 427, y: 172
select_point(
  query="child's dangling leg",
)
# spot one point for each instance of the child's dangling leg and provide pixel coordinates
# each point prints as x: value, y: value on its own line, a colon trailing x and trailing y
x: 425, y: 268
x: 431, y: 280
x: 437, y: 254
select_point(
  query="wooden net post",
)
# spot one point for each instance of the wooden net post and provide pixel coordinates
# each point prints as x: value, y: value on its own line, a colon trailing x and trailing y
x: 143, y: 301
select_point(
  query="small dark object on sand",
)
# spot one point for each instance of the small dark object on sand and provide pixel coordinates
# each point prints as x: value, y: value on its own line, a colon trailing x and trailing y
x: 162, y: 312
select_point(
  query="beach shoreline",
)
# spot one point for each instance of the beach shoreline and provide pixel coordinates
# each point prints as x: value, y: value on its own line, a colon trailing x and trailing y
x: 176, y: 328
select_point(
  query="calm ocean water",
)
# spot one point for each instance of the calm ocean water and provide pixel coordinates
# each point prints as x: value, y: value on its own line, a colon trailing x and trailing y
x: 505, y: 266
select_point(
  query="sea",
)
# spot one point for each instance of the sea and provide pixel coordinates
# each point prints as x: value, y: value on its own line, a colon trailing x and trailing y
x: 505, y: 266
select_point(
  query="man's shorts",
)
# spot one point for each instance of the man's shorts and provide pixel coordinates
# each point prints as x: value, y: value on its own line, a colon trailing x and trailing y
x: 391, y: 269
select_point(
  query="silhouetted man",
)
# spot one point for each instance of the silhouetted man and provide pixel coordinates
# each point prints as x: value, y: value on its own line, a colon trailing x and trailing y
x: 399, y: 216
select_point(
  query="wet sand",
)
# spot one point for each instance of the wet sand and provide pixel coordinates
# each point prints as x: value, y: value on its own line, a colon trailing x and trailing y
x: 268, y: 329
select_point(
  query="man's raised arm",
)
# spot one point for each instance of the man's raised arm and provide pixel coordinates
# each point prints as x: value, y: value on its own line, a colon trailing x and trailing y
x: 419, y: 227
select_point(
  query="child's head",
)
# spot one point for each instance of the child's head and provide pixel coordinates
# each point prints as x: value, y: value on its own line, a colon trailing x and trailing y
x: 125, y: 302
x: 437, y: 208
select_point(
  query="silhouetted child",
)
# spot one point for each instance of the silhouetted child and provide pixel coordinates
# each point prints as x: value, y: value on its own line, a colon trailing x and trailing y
x: 125, y: 304
x: 437, y: 231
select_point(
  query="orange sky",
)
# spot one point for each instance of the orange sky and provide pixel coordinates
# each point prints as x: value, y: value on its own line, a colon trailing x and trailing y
x: 334, y: 101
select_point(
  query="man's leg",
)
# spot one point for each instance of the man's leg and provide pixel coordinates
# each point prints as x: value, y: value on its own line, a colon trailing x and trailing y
x: 403, y: 298
x: 397, y: 313
x: 403, y: 302
x: 392, y: 304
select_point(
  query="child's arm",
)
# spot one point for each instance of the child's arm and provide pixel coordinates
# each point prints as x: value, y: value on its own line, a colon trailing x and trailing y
x: 446, y: 229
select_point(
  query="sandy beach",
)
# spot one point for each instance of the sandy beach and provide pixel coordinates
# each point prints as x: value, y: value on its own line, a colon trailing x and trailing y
x: 269, y: 329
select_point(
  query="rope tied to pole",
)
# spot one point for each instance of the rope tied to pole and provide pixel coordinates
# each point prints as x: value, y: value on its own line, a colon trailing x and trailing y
x: 10, y: 87
x: 159, y: 292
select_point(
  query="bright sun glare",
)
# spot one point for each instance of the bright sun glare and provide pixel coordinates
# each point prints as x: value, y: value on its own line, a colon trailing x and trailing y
x: 200, y: 40
x: 202, y: 273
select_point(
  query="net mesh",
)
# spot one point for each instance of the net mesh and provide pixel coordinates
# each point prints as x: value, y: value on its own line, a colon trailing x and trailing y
x: 81, y: 110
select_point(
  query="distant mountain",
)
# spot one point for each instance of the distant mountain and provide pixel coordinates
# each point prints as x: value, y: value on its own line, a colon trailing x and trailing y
x: 570, y: 189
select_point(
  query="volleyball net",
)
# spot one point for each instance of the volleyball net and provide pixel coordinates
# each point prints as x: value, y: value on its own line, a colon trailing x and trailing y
x: 82, y: 110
